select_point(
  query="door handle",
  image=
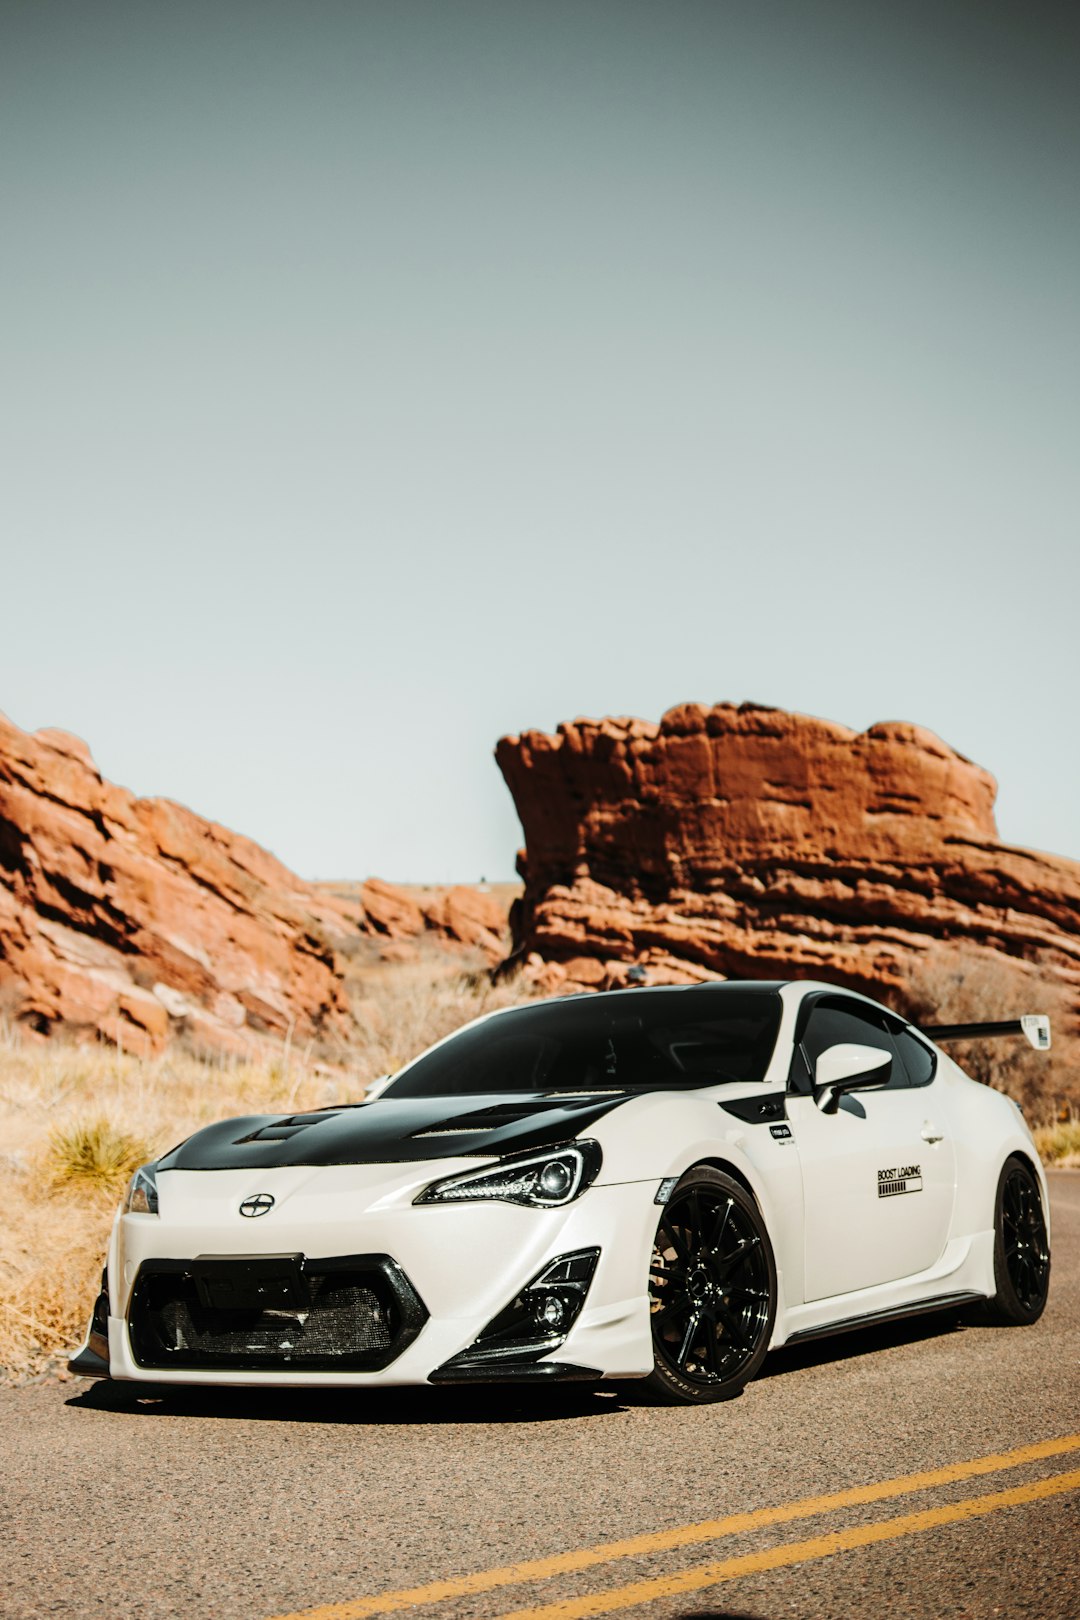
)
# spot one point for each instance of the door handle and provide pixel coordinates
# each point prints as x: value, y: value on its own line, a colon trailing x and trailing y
x: 930, y: 1133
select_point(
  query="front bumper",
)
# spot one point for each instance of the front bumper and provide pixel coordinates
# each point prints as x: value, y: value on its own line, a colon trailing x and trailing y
x: 465, y: 1262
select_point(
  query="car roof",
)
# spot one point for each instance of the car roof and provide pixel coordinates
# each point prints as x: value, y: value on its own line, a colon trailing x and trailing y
x: 762, y: 986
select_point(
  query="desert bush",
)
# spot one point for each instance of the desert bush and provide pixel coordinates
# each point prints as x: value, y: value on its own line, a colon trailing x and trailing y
x: 94, y: 1153
x: 1059, y: 1144
x: 967, y: 986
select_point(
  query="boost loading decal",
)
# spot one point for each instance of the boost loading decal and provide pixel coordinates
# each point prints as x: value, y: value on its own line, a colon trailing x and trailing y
x: 904, y: 1178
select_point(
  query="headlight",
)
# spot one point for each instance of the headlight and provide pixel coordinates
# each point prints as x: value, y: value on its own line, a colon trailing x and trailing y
x: 537, y: 1180
x: 141, y: 1197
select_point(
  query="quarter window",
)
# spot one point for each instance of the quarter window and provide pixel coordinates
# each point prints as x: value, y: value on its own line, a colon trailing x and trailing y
x: 919, y: 1060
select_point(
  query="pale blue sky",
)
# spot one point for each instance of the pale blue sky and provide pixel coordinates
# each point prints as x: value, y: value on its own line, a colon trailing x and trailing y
x: 378, y: 379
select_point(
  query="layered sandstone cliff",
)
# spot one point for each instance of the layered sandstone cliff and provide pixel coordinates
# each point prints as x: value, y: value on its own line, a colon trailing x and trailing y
x: 454, y: 915
x: 136, y: 919
x: 753, y: 842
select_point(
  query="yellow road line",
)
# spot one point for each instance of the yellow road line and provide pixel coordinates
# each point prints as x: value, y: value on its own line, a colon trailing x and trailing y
x: 537, y: 1569
x: 798, y: 1552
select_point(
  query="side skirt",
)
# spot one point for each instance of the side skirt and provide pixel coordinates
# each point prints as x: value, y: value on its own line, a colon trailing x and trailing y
x: 894, y: 1313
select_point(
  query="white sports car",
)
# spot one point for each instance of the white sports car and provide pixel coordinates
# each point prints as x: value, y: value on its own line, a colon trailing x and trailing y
x: 659, y: 1184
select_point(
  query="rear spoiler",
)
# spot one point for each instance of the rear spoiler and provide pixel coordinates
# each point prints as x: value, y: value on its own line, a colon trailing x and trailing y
x: 1035, y: 1027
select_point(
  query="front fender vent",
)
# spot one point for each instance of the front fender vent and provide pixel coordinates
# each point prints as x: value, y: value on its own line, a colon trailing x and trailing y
x: 767, y: 1110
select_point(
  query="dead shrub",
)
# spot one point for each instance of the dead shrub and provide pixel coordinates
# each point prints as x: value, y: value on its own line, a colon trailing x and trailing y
x: 94, y: 1153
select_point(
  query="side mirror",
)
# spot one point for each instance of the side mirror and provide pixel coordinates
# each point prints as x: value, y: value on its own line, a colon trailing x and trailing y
x: 849, y: 1067
x: 377, y: 1087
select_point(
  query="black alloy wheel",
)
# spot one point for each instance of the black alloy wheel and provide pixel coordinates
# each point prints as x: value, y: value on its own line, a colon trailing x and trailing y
x: 1021, y: 1249
x: 712, y: 1290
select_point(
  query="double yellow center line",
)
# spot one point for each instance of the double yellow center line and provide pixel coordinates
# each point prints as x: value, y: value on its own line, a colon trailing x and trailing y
x: 704, y: 1575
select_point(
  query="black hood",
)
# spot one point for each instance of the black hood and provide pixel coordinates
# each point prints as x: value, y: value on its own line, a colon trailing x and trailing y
x: 393, y: 1131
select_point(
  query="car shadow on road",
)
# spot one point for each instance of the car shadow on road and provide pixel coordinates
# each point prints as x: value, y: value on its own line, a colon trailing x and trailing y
x: 718, y: 1614
x: 861, y: 1342
x: 380, y: 1408
x: 490, y: 1403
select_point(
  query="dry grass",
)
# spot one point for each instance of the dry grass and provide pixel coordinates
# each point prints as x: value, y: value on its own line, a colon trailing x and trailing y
x: 1059, y: 1144
x: 76, y: 1120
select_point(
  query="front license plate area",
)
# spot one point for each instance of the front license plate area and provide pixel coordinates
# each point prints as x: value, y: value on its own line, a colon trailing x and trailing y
x: 250, y: 1282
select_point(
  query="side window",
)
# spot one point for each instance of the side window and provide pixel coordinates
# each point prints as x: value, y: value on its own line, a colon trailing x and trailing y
x: 833, y: 1023
x: 920, y: 1061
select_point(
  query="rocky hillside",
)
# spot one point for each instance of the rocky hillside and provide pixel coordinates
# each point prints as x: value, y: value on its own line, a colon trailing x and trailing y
x: 137, y: 920
x: 752, y: 842
x: 398, y: 918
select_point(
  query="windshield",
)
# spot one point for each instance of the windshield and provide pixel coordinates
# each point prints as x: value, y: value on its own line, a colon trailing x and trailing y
x: 634, y: 1040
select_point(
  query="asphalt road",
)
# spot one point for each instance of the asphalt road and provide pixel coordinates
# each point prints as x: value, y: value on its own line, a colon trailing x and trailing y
x: 247, y: 1506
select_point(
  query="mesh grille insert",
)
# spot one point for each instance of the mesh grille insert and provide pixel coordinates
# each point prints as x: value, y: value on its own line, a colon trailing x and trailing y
x: 356, y: 1313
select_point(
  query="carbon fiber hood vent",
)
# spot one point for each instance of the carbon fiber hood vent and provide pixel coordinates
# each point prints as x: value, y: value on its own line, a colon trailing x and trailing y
x: 487, y: 1119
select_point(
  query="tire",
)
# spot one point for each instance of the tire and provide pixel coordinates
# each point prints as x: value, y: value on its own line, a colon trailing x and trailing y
x: 1021, y: 1249
x: 712, y: 1291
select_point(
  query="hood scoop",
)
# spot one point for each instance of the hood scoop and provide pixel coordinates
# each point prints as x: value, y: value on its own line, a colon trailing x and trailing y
x: 283, y: 1130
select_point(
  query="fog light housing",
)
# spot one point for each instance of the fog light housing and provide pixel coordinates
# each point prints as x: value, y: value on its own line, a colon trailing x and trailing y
x: 536, y: 1321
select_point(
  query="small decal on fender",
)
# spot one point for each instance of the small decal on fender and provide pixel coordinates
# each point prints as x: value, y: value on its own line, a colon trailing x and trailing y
x: 782, y: 1133
x: 904, y: 1178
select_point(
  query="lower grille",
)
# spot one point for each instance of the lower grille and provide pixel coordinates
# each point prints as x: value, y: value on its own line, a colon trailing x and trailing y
x: 353, y: 1313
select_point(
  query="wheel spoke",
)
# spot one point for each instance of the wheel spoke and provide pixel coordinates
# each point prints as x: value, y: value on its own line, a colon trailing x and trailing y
x: 669, y: 1269
x: 676, y: 1308
x: 726, y: 1264
x: 720, y: 1224
x: 678, y: 1242
x: 688, y: 1338
x: 734, y: 1327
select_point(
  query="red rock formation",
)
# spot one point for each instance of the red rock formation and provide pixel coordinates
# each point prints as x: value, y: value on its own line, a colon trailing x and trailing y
x: 136, y: 918
x: 457, y: 916
x: 748, y: 841
x: 389, y: 910
x: 469, y: 917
